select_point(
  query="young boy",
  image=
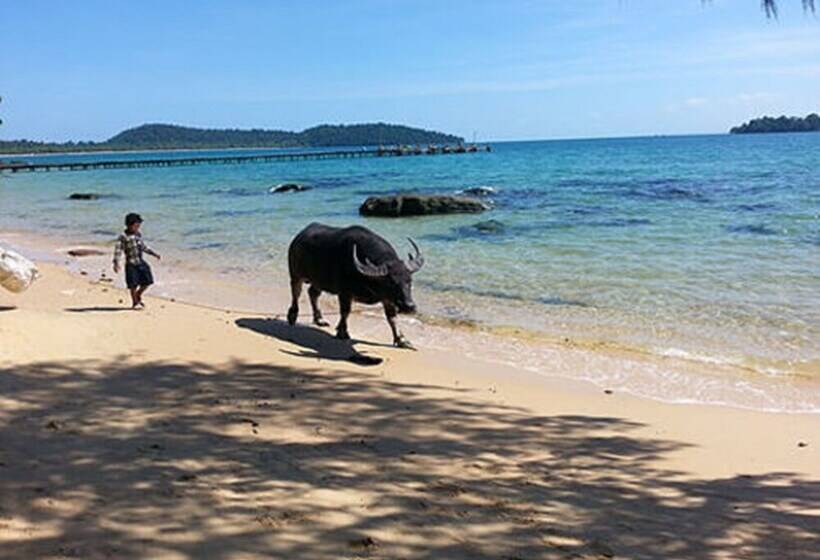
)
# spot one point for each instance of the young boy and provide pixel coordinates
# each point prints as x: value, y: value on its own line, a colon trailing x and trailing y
x: 137, y: 272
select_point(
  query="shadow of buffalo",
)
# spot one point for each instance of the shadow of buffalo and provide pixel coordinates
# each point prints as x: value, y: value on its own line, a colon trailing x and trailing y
x: 315, y: 342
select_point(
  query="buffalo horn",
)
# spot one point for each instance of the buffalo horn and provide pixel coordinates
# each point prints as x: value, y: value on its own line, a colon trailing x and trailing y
x: 416, y: 261
x: 367, y: 268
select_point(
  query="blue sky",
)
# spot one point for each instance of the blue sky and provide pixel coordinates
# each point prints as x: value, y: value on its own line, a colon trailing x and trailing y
x: 502, y: 69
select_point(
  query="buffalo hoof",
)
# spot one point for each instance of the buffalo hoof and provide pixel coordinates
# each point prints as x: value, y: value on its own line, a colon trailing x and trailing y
x: 342, y: 335
x: 292, y: 315
x: 402, y: 342
x: 319, y: 322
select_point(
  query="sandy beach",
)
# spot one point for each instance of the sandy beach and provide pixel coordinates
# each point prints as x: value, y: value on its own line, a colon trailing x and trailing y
x: 188, y: 432
x: 587, y: 329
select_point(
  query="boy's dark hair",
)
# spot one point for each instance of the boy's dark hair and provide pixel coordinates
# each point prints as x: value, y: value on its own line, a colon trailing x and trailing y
x: 132, y: 218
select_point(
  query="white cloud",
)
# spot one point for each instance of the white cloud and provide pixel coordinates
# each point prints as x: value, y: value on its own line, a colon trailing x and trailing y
x: 754, y: 97
x: 695, y: 101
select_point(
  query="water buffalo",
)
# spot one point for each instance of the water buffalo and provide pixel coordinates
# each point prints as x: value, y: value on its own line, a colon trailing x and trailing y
x: 355, y: 264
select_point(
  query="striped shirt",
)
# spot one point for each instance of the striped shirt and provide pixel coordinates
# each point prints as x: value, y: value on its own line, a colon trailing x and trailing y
x: 133, y: 246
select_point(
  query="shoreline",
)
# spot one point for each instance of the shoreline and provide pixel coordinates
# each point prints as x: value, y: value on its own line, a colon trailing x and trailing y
x: 669, y: 379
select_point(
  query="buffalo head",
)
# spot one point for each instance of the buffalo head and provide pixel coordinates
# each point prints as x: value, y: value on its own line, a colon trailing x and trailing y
x: 394, y: 277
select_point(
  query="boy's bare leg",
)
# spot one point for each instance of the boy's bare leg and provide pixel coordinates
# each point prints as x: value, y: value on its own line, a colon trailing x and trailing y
x: 135, y: 296
x: 140, y: 291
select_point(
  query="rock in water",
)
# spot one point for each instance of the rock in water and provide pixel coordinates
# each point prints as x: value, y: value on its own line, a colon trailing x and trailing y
x: 478, y: 191
x: 84, y: 196
x: 490, y: 226
x: 395, y: 206
x: 289, y: 187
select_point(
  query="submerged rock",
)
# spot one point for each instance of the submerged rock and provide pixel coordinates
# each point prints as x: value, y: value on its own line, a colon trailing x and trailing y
x: 289, y: 187
x: 755, y: 229
x: 489, y: 226
x: 478, y: 191
x: 394, y: 206
x: 84, y: 196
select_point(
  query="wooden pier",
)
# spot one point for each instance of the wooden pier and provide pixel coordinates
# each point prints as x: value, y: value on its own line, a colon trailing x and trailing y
x: 23, y: 166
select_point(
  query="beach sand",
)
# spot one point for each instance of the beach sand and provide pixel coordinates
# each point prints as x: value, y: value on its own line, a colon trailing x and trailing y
x: 189, y: 432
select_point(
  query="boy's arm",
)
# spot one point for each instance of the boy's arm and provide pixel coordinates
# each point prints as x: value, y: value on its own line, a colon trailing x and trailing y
x: 117, y: 254
x: 151, y: 252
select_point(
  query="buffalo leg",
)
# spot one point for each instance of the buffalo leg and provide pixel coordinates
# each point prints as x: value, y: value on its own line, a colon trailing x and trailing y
x: 295, y: 292
x: 314, y: 293
x: 399, y: 341
x: 345, y: 302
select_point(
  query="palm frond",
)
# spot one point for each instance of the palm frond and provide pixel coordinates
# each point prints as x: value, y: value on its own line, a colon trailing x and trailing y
x: 770, y: 7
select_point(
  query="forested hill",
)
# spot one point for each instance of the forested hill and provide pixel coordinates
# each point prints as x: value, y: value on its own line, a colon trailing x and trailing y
x: 780, y: 124
x: 167, y: 137
x: 159, y: 136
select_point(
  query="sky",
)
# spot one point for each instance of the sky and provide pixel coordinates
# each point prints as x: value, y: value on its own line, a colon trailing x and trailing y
x: 499, y: 70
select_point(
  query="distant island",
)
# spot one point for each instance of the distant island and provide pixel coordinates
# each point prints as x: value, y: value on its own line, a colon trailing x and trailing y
x: 174, y: 137
x: 780, y: 124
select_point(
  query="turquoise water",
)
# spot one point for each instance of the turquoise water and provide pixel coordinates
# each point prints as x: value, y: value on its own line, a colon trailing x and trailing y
x: 706, y: 247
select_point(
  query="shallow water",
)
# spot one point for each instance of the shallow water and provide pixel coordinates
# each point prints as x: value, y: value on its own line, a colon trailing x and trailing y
x: 703, y: 247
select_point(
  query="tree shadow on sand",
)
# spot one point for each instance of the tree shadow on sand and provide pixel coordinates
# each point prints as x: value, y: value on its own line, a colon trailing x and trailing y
x: 187, y: 460
x: 315, y: 342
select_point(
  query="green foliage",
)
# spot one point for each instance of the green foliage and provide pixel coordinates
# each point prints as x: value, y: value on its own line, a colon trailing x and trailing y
x: 167, y: 137
x: 372, y: 134
x: 780, y: 124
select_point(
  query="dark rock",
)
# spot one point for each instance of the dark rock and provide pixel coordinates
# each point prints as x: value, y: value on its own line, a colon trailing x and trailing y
x: 85, y: 252
x: 755, y: 229
x: 489, y: 226
x: 84, y: 196
x: 394, y: 206
x: 478, y: 191
x: 289, y: 187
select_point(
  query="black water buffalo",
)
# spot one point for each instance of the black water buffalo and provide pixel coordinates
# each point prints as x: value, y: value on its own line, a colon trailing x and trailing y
x: 355, y: 264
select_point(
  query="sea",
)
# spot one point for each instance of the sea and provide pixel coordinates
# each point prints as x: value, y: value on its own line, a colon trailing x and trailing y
x: 684, y: 256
